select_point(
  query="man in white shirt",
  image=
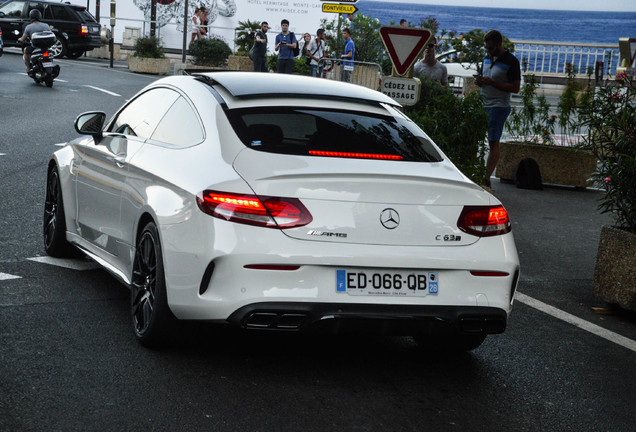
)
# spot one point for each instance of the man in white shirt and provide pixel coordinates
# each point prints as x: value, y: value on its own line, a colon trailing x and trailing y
x: 429, y: 67
x: 316, y: 51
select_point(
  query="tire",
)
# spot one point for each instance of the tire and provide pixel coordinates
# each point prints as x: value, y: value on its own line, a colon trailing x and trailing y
x: 59, y: 47
x: 48, y: 80
x: 54, y: 223
x: 451, y: 343
x: 152, y: 319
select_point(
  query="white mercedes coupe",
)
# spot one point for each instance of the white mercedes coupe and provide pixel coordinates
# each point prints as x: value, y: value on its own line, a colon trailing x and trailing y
x: 281, y: 202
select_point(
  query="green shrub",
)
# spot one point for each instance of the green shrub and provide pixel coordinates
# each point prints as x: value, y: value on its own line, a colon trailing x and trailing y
x: 149, y: 47
x: 300, y: 66
x: 609, y: 113
x: 209, y: 52
x: 457, y: 125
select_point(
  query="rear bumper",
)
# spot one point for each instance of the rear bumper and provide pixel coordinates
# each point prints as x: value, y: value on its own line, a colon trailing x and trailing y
x: 376, y: 319
x: 84, y: 43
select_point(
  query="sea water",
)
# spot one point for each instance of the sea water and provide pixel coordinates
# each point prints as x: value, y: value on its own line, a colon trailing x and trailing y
x: 516, y: 24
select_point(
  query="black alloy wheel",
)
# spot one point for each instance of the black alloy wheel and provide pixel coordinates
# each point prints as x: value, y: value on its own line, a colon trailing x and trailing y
x: 153, y: 321
x: 54, y: 224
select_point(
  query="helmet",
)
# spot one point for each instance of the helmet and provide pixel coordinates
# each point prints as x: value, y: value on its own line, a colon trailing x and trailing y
x: 35, y: 15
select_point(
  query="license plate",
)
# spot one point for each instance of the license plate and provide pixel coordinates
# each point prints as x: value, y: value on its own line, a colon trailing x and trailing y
x: 386, y: 283
x: 47, y: 65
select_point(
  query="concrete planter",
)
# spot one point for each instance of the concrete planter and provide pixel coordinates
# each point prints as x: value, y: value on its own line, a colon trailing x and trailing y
x: 558, y: 165
x: 240, y: 63
x: 160, y: 66
x: 615, y: 271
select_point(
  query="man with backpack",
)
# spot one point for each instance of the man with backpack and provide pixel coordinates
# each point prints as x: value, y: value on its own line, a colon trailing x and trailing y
x: 316, y: 51
x: 286, y: 44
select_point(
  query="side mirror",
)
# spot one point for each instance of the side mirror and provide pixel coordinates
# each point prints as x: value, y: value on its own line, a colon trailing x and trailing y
x: 91, y: 123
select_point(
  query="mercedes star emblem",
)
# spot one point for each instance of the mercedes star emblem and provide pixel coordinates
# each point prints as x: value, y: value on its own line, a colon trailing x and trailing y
x: 389, y: 218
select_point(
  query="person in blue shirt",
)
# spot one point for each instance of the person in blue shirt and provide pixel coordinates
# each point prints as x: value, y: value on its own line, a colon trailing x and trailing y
x: 285, y: 42
x: 349, y: 54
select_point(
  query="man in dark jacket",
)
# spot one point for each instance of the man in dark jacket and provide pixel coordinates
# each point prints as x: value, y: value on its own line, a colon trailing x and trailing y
x: 260, y: 51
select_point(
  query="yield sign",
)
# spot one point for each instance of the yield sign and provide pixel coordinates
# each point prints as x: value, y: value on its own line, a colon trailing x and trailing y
x: 404, y: 45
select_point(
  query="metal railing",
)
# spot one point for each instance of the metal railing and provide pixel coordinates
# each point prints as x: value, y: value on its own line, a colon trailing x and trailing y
x: 364, y: 73
x: 552, y: 58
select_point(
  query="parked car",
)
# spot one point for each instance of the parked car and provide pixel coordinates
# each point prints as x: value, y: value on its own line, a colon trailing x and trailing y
x: 1, y: 43
x: 458, y: 71
x: 281, y: 203
x: 75, y: 28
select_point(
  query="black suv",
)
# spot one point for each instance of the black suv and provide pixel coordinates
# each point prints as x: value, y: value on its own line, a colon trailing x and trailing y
x: 76, y: 29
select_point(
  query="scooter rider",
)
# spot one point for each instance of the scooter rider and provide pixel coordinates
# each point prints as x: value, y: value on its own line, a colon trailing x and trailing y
x: 36, y: 26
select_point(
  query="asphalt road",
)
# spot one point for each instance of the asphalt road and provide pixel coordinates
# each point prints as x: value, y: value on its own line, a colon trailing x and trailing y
x: 69, y: 361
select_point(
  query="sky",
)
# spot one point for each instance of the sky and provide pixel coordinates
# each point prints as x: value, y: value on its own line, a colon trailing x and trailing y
x: 579, y: 5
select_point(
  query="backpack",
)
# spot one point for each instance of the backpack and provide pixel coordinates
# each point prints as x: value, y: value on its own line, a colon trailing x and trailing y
x: 528, y: 175
x: 296, y: 50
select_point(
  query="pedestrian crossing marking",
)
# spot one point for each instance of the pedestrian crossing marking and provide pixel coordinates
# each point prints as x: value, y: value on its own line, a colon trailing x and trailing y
x: 7, y: 276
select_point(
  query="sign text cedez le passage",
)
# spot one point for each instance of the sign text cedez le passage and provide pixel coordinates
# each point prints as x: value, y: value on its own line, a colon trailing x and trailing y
x: 399, y: 90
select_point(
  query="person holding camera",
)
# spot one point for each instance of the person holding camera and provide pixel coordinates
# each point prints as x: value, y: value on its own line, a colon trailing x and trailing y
x: 285, y: 44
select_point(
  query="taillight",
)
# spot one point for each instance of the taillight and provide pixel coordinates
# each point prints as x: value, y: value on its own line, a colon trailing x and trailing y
x: 270, y: 212
x: 83, y: 30
x: 45, y: 54
x: 484, y: 221
x: 354, y: 155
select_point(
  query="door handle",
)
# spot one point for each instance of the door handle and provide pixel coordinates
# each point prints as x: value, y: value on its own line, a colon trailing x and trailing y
x: 120, y: 161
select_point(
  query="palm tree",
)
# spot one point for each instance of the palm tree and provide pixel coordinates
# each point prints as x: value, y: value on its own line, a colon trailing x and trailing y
x: 245, y: 35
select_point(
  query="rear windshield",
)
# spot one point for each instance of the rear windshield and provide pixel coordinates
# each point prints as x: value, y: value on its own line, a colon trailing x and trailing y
x: 330, y: 133
x: 86, y: 16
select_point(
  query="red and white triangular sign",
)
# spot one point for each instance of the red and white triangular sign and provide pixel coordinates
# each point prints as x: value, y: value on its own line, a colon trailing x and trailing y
x: 404, y: 45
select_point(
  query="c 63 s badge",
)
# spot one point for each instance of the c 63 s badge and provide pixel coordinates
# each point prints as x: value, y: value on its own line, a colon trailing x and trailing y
x: 448, y: 237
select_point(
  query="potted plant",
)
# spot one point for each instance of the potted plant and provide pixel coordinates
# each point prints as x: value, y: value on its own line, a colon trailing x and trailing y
x: 611, y: 137
x: 209, y: 53
x: 532, y: 129
x: 149, y: 57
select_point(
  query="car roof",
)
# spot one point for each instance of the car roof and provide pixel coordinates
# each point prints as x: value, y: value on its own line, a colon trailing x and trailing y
x: 62, y: 3
x: 255, y: 85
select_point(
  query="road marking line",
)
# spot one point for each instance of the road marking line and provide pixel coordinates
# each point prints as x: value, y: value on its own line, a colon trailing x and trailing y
x: 60, y: 144
x: 102, y: 90
x: 576, y: 321
x: 7, y: 276
x: 73, y: 264
x: 3, y: 154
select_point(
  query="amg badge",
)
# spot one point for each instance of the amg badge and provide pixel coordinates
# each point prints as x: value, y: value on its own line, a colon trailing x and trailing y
x: 326, y: 234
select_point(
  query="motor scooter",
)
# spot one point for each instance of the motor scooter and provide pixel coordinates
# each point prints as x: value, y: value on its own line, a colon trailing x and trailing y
x: 41, y: 66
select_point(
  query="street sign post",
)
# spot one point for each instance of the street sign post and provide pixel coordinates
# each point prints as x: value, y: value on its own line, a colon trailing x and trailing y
x: 405, y: 91
x: 404, y: 46
x: 339, y: 8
